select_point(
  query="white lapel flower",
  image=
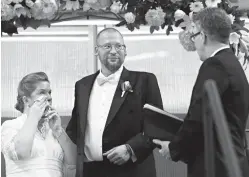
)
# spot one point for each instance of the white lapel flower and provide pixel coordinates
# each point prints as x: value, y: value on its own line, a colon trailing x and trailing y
x: 126, y: 87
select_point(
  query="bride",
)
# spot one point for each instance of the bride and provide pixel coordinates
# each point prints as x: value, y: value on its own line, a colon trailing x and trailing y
x: 35, y: 144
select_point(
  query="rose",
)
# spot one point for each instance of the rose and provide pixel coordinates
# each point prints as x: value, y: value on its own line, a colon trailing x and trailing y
x: 129, y: 17
x: 7, y: 12
x: 126, y: 87
x: 155, y: 17
x: 86, y: 7
x: 179, y: 14
x: 116, y: 7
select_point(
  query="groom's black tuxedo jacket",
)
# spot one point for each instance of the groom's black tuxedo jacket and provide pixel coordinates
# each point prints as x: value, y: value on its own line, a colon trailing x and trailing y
x: 124, y: 123
x: 188, y: 146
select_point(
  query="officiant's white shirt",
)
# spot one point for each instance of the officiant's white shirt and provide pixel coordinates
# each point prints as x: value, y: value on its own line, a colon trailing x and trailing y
x: 99, y: 106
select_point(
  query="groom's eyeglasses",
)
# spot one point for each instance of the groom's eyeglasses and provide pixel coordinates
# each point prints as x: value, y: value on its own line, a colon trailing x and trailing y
x: 192, y: 37
x: 108, y: 47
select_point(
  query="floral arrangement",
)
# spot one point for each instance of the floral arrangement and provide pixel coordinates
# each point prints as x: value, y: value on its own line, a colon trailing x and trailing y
x: 26, y: 13
x: 178, y: 13
x: 35, y: 13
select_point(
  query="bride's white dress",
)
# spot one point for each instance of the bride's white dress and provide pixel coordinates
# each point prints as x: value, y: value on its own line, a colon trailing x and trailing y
x: 46, y: 157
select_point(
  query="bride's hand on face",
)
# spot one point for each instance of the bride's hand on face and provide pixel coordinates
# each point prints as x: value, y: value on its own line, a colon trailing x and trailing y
x: 37, y: 109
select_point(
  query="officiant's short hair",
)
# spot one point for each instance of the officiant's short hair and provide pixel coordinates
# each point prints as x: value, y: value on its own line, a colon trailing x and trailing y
x: 215, y: 23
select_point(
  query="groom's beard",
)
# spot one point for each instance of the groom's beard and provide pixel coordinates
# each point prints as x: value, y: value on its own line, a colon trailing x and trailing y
x: 113, y: 67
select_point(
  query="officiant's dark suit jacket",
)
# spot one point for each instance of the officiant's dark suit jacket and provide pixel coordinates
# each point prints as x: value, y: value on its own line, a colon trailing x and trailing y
x: 124, y: 124
x: 188, y: 146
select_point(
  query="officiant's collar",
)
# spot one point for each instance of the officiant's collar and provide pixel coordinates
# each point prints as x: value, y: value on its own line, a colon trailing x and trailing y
x: 219, y: 49
x: 116, y: 74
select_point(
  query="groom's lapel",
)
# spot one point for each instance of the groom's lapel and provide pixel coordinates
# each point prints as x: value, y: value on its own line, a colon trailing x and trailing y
x: 117, y: 99
x: 84, y: 95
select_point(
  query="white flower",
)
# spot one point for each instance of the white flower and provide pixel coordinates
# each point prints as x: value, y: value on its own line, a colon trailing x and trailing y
x: 191, y: 15
x: 36, y: 10
x: 20, y: 10
x: 86, y: 7
x: 179, y: 14
x: 29, y: 3
x: 129, y: 17
x: 234, y: 38
x: 6, y: 1
x: 196, y: 6
x: 7, y: 12
x: 212, y: 3
x: 49, y: 9
x: 72, y: 5
x: 244, y: 46
x: 244, y: 36
x: 91, y: 1
x: 44, y: 9
x: 17, y: 1
x: 241, y: 55
x: 232, y: 18
x: 155, y: 17
x: 116, y: 7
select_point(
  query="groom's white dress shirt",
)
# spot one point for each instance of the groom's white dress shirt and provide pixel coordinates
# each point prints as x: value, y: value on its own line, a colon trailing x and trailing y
x: 99, y: 105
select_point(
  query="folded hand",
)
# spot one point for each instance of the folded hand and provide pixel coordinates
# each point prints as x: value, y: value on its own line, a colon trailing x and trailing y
x: 54, y: 122
x: 118, y: 155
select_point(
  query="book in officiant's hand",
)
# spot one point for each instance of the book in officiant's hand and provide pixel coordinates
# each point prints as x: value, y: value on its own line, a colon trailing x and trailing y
x: 159, y: 124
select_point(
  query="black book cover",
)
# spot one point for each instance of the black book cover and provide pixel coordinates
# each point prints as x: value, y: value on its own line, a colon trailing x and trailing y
x: 159, y: 124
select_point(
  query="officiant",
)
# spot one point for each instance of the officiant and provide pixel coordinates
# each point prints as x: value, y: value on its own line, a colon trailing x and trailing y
x: 212, y: 28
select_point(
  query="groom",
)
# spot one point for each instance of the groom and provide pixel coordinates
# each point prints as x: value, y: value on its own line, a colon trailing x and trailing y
x: 107, y: 121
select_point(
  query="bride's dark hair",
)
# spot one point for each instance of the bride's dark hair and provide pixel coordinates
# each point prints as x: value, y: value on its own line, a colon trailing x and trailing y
x: 27, y: 86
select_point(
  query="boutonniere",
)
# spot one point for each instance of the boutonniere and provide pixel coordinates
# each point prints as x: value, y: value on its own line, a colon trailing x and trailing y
x: 126, y: 87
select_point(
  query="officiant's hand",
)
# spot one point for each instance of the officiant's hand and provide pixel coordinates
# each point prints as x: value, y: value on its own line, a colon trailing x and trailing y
x: 118, y: 155
x: 164, y: 151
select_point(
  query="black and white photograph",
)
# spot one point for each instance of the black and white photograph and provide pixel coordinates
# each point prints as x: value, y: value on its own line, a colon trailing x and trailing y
x: 124, y: 88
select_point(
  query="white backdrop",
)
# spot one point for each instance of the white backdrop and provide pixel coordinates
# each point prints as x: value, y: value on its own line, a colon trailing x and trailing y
x: 65, y: 53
